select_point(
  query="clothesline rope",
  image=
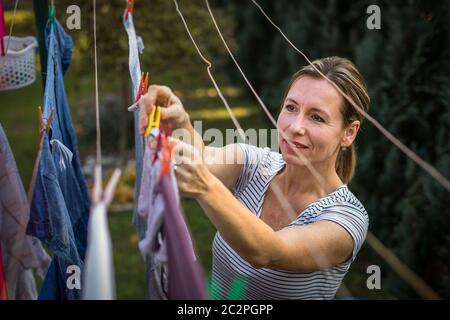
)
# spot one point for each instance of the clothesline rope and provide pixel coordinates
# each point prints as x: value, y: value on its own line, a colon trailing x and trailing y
x: 97, y: 108
x: 230, y: 112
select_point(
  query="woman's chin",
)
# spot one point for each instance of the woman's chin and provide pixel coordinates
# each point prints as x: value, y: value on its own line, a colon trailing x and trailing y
x: 294, y: 159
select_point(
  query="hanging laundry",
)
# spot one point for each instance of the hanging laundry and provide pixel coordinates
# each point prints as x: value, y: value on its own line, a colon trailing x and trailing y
x: 151, y: 207
x: 21, y: 252
x: 3, y: 293
x: 175, y: 272
x: 135, y: 73
x: 2, y: 30
x: 185, y: 275
x: 60, y: 204
x: 135, y: 44
x: 150, y: 210
x: 99, y: 283
x: 50, y: 222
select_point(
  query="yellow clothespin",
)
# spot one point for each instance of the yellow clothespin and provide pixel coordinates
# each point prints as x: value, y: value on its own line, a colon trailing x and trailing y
x: 153, y: 122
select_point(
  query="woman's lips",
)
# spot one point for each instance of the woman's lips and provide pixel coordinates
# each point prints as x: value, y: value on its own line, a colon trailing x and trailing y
x: 296, y: 145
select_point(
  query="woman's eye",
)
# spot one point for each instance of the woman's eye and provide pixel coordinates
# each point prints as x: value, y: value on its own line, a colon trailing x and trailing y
x: 290, y: 107
x: 316, y: 117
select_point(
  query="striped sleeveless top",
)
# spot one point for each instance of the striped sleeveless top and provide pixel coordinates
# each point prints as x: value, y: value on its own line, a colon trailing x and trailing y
x: 233, y: 277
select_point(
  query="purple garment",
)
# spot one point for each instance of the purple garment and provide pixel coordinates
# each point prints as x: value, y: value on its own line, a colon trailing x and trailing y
x: 21, y: 252
x: 150, y: 208
x: 185, y: 275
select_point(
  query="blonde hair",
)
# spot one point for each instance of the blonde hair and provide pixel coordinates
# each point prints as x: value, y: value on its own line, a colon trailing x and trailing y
x: 343, y: 73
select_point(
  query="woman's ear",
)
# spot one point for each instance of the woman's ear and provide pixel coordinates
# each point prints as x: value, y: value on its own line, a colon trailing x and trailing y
x: 350, y: 134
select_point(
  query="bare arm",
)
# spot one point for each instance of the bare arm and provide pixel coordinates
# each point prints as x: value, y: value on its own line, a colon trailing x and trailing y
x: 300, y: 249
x: 225, y: 162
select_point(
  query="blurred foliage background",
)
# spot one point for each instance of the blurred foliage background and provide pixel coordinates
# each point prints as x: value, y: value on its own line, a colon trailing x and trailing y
x: 406, y: 65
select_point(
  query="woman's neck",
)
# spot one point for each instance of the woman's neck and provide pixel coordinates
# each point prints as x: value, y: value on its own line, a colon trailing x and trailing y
x: 299, y: 180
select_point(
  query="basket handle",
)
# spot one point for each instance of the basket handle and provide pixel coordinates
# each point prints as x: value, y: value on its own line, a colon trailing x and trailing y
x: 2, y: 28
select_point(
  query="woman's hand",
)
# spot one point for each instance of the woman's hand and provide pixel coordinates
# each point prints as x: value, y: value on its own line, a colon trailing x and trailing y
x: 193, y: 177
x: 171, y: 107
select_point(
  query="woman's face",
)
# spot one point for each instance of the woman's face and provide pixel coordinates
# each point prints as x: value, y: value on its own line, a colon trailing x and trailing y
x: 312, y: 123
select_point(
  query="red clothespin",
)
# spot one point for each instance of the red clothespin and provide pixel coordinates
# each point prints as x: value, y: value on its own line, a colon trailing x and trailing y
x: 141, y: 90
x: 158, y: 147
x: 129, y: 9
x: 167, y: 149
x: 159, y: 140
x: 143, y: 86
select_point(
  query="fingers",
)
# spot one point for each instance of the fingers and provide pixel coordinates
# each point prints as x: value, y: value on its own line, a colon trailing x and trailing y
x: 143, y: 116
x: 157, y: 95
x: 184, y: 153
x: 172, y: 112
x: 171, y: 106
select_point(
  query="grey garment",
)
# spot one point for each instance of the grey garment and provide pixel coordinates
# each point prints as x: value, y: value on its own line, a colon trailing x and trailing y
x: 20, y: 251
x: 157, y: 272
x: 43, y: 259
x: 151, y: 272
x: 152, y: 245
x: 135, y: 73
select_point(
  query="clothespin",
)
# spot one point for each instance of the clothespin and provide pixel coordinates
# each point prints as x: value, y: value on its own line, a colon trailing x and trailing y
x: 167, y: 149
x: 106, y: 195
x: 157, y: 148
x: 51, y: 13
x: 153, y: 122
x: 142, y: 90
x: 143, y: 86
x: 36, y: 163
x: 41, y: 122
x: 129, y: 9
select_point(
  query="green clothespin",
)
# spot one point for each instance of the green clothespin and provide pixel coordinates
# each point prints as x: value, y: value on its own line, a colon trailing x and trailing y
x: 51, y: 13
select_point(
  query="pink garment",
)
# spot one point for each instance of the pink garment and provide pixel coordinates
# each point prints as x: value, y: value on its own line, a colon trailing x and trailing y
x: 2, y: 29
x: 3, y: 293
x: 186, y: 280
x: 20, y: 251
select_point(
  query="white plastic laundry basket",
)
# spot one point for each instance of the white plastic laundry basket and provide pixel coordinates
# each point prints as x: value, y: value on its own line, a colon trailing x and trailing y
x: 19, y: 69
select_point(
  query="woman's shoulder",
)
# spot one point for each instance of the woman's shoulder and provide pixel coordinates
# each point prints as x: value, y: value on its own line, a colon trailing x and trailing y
x: 343, y: 200
x: 259, y: 164
x: 254, y: 155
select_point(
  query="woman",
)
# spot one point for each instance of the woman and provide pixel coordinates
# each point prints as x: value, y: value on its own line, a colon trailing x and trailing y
x: 278, y: 254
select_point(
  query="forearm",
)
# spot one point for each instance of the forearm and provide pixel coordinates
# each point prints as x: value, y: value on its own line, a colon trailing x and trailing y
x: 193, y: 137
x: 250, y: 237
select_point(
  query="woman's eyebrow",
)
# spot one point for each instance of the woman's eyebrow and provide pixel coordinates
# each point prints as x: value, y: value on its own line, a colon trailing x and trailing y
x: 291, y: 100
x: 316, y: 109
x: 320, y: 111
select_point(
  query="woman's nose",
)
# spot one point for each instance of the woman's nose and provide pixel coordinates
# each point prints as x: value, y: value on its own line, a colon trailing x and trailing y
x: 298, y: 126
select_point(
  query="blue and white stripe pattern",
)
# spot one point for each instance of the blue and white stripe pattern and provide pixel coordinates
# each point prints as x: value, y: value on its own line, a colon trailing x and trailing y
x: 341, y: 206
